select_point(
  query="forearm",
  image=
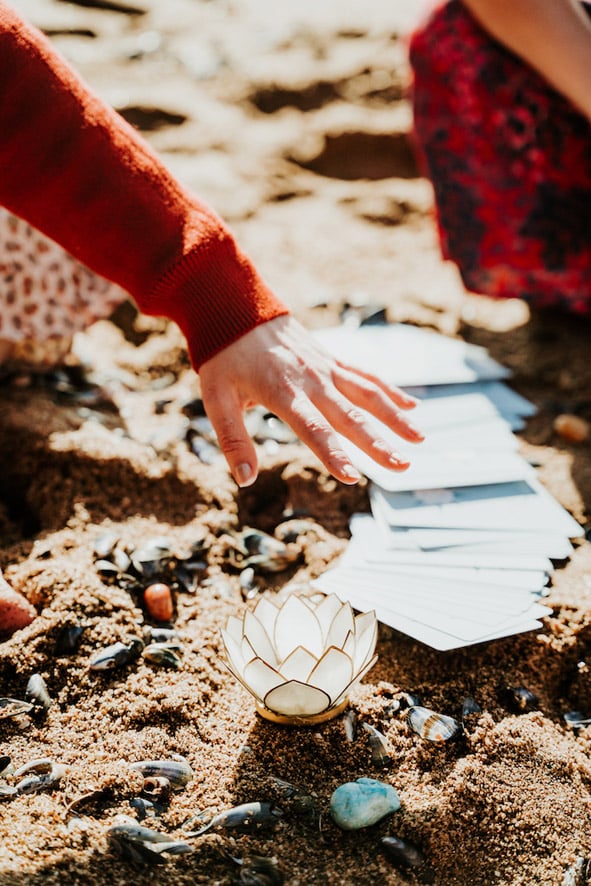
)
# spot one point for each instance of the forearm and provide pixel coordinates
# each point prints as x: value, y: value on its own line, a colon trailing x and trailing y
x: 553, y: 36
x: 74, y: 169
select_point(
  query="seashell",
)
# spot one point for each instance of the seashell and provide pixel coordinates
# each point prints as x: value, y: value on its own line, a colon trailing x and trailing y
x: 37, y: 693
x: 105, y: 544
x: 14, y: 707
x: 117, y: 655
x: 576, y: 719
x: 143, y: 807
x: 246, y: 816
x: 68, y: 639
x: 163, y: 654
x: 7, y: 791
x: 33, y: 783
x: 178, y: 772
x: 404, y: 855
x: 572, y: 428
x: 350, y: 724
x: 469, y: 707
x: 157, y: 788
x: 379, y: 747
x: 153, y: 558
x: 255, y: 548
x: 5, y: 765
x: 144, y: 845
x: 578, y: 873
x: 520, y: 699
x: 256, y: 870
x: 362, y: 803
x: 248, y: 585
x: 157, y: 634
x: 107, y: 569
x: 431, y: 725
x: 158, y: 601
x: 41, y: 765
x: 121, y: 559
x: 296, y: 799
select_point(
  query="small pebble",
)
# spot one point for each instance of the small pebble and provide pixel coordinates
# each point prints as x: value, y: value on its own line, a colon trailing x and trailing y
x: 361, y: 803
x: 158, y: 601
x: 572, y: 428
x: 15, y: 610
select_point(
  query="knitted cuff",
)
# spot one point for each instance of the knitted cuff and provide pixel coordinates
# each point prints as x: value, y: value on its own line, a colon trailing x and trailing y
x: 215, y: 295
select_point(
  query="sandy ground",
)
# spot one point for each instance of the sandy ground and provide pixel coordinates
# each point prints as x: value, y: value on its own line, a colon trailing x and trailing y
x: 291, y: 120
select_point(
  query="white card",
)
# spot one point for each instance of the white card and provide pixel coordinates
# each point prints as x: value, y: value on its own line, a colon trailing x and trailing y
x: 491, y: 549
x: 436, y: 628
x: 448, y: 468
x: 507, y: 401
x: 520, y: 506
x: 407, y: 355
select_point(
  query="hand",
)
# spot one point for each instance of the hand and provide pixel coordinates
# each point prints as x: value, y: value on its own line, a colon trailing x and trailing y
x: 279, y: 365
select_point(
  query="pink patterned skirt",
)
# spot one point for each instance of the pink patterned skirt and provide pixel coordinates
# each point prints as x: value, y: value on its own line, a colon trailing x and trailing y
x: 45, y: 296
x: 510, y: 162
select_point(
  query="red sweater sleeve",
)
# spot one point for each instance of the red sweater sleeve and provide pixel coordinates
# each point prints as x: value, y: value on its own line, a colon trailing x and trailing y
x: 74, y: 169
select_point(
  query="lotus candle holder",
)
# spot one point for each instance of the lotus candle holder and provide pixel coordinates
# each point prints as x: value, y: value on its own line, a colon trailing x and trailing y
x: 299, y: 659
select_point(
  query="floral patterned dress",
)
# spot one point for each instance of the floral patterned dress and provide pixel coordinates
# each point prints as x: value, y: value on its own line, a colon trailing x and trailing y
x: 510, y: 162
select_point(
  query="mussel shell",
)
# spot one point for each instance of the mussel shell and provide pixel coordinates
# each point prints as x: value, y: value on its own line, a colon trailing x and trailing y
x: 403, y: 854
x: 14, y: 707
x: 379, y: 747
x: 520, y: 699
x: 576, y: 719
x: 432, y: 726
x: 350, y: 725
x: 256, y: 870
x: 117, y: 655
x: 163, y: 654
x: 68, y: 639
x: 37, y: 693
x: 408, y: 859
x: 105, y: 544
x: 470, y: 706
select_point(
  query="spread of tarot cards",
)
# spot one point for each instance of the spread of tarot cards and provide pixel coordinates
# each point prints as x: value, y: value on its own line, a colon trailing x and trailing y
x: 459, y: 548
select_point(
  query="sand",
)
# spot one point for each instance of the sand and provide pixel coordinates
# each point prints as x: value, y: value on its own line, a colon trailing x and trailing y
x: 291, y: 120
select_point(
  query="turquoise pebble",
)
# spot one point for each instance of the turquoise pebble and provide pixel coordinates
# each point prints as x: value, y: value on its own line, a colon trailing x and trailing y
x: 361, y: 803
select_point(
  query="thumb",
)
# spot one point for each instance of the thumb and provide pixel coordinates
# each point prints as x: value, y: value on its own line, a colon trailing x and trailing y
x: 225, y: 414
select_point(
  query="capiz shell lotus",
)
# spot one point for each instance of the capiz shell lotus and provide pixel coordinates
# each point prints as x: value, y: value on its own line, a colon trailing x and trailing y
x: 299, y: 659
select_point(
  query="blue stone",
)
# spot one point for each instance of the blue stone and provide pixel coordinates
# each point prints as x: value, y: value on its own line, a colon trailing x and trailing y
x: 361, y: 803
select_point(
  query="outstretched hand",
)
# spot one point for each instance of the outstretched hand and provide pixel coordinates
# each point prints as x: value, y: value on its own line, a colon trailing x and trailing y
x: 280, y: 365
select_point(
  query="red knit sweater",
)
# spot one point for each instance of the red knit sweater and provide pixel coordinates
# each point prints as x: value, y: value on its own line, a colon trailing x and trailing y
x: 77, y: 171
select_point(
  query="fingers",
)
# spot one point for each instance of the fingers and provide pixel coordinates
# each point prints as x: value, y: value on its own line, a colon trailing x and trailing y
x: 366, y: 395
x: 396, y: 395
x: 225, y: 413
x: 314, y: 430
x: 353, y: 424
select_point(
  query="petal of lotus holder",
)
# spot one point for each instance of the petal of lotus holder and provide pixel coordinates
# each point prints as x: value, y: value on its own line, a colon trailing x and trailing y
x: 300, y: 658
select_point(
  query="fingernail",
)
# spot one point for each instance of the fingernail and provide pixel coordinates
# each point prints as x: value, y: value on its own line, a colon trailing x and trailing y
x: 351, y: 473
x: 244, y: 475
x: 397, y: 462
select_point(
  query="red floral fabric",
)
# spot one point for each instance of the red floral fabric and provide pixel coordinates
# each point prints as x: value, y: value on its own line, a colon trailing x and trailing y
x: 510, y: 162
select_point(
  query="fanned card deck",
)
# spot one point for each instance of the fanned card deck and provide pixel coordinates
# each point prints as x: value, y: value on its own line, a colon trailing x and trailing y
x: 459, y: 549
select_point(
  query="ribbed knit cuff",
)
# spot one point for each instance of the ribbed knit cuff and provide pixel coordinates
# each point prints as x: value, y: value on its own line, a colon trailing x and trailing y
x: 215, y: 295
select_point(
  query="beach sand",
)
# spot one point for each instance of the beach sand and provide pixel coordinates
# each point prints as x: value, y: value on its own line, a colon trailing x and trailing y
x: 292, y: 121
